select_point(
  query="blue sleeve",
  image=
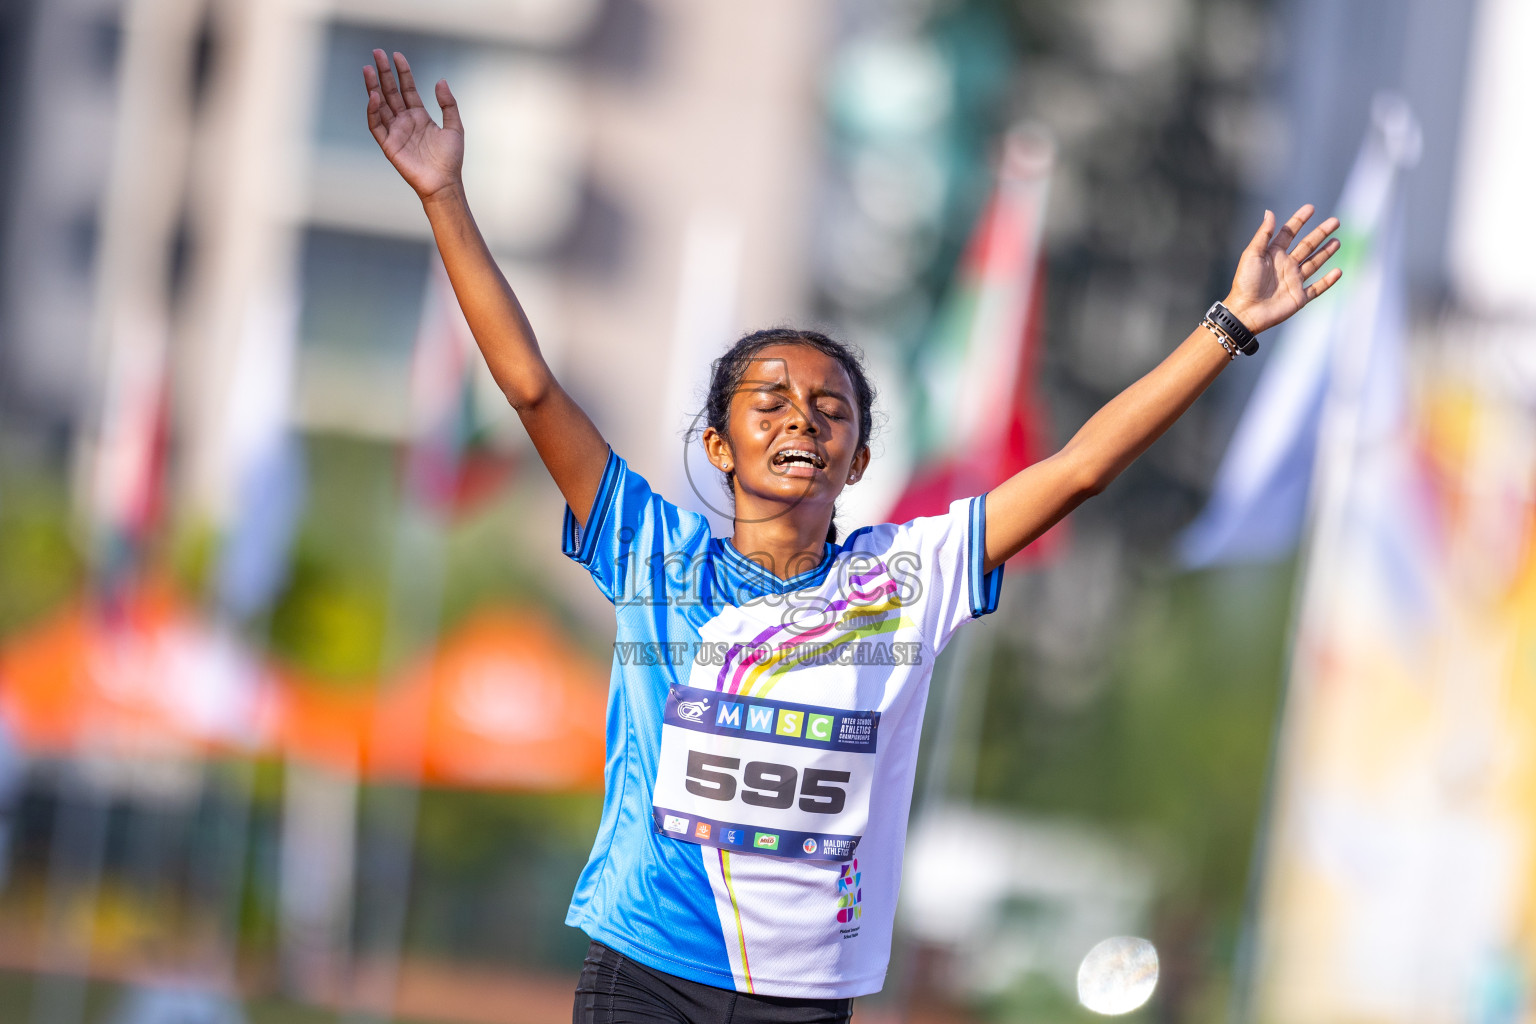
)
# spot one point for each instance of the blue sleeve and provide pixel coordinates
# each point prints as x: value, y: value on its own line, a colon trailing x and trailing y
x: 633, y: 536
x: 985, y: 588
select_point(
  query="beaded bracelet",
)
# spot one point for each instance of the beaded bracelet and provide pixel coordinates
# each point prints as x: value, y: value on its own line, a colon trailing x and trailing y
x: 1221, y: 336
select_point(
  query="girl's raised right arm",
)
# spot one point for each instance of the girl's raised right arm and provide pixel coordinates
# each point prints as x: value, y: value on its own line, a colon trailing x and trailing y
x: 431, y: 159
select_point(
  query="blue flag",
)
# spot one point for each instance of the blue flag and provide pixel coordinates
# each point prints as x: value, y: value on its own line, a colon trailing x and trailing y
x: 1259, y: 498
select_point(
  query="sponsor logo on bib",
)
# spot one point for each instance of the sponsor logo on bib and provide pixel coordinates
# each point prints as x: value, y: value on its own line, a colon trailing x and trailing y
x: 837, y: 848
x: 693, y: 710
x: 809, y: 846
x: 766, y: 841
x: 701, y: 830
x: 672, y: 823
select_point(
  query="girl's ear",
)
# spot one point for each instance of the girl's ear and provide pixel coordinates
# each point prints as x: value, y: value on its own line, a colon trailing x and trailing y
x: 860, y: 464
x: 717, y: 450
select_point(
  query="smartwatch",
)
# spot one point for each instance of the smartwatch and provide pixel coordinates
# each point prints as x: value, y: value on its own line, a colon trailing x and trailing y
x: 1246, y: 341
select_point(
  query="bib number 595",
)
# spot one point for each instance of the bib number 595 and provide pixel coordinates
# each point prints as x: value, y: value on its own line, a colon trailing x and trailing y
x: 765, y: 784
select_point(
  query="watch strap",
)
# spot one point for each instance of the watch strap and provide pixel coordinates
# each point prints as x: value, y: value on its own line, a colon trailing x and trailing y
x: 1246, y: 341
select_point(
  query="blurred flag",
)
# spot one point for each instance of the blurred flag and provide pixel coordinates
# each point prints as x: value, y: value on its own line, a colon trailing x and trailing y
x: 262, y: 460
x: 978, y: 419
x: 439, y: 395
x: 128, y: 461
x: 1371, y: 495
x: 1399, y: 861
x: 1259, y: 497
x: 447, y: 469
x: 1397, y: 865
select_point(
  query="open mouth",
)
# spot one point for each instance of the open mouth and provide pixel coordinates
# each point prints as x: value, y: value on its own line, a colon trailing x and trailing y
x: 799, y: 457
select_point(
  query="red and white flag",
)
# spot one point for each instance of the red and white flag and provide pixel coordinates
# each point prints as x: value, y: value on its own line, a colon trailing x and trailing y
x: 440, y: 394
x: 978, y: 418
x: 127, y: 466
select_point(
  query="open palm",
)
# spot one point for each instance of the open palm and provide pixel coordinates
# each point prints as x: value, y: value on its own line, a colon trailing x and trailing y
x: 1271, y: 280
x: 428, y: 157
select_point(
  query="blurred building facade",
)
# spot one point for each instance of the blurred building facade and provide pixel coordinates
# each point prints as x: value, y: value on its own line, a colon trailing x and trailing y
x: 61, y: 77
x: 202, y: 172
x: 193, y: 189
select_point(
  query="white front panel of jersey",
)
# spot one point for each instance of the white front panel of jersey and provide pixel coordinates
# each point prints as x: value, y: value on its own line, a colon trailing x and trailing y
x: 853, y: 647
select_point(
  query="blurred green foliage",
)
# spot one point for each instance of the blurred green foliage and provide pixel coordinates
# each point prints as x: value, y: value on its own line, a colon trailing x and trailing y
x: 330, y: 622
x: 40, y: 564
x: 1040, y: 1001
x: 496, y: 876
x: 331, y: 619
x: 495, y: 870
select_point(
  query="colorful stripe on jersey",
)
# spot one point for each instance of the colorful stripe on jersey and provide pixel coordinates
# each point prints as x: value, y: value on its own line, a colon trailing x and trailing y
x: 766, y: 657
x: 741, y: 933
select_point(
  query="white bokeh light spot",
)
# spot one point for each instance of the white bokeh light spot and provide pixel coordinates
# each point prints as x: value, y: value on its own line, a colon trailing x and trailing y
x: 1118, y: 975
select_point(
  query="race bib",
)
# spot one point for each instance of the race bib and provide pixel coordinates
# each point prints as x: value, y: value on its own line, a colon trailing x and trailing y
x: 748, y: 774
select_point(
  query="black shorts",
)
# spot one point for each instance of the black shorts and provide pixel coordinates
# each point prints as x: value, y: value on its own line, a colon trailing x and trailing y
x: 616, y: 990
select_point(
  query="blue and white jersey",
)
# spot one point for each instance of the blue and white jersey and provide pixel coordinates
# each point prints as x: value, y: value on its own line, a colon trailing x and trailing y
x: 762, y: 739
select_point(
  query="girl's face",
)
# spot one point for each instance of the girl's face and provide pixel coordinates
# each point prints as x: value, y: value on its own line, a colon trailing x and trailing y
x: 793, y: 434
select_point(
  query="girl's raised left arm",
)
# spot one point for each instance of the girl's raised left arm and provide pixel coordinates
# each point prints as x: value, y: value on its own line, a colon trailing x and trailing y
x: 1269, y: 286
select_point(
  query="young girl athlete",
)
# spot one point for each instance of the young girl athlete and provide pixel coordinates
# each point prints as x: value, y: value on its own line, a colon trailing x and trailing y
x: 762, y: 738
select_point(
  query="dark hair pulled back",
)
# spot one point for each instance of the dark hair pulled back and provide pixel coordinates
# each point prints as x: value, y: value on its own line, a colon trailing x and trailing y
x: 731, y: 369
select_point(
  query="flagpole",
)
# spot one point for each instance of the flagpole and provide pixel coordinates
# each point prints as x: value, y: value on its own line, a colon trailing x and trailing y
x: 1395, y: 129
x: 419, y: 560
x: 227, y: 874
x: 417, y: 579
x: 79, y: 828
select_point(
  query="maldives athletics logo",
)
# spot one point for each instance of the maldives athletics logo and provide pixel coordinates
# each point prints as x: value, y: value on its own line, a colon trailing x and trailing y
x: 849, y: 893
